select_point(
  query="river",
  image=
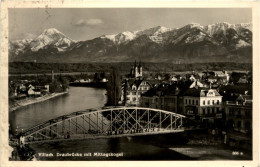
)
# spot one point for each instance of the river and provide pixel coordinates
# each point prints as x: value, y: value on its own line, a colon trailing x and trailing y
x: 78, y: 98
x: 81, y: 98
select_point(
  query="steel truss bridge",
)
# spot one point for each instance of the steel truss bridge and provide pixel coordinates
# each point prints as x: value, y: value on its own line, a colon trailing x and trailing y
x: 107, y: 122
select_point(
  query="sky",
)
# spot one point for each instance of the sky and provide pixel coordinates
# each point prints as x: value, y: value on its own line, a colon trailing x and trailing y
x: 88, y: 23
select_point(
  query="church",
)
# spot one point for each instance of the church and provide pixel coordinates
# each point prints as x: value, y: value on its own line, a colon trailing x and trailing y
x: 134, y: 86
x: 136, y: 71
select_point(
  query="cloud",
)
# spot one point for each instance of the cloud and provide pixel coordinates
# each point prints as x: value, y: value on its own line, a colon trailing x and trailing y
x: 94, y: 22
x: 80, y: 22
x: 89, y: 22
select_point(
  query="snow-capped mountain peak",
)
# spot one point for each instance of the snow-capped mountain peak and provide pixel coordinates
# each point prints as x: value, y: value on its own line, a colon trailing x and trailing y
x: 194, y: 25
x: 51, y: 31
x: 192, y: 40
x: 121, y: 37
x: 51, y: 36
x: 222, y: 27
x: 152, y: 33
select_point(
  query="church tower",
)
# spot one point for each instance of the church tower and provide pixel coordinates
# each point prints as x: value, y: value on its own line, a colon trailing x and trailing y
x: 138, y: 70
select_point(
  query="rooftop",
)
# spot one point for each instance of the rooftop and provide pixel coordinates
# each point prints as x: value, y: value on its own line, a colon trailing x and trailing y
x: 200, y: 92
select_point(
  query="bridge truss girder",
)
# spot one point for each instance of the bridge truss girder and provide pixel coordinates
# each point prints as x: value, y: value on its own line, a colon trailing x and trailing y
x: 105, y: 122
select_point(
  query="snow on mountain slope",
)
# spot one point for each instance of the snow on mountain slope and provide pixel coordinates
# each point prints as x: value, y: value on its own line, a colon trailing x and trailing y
x: 49, y: 37
x: 159, y: 34
x: 242, y: 43
x: 19, y: 46
x: 153, y: 33
x: 222, y: 27
x: 192, y: 39
x: 121, y: 37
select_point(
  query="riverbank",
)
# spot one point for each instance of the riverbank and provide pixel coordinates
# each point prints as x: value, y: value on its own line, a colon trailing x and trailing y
x: 28, y: 101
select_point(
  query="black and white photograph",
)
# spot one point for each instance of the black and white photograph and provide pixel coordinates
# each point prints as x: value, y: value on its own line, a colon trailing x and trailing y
x: 130, y: 84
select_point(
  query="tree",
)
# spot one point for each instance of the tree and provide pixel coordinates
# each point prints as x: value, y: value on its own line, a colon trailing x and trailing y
x: 55, y: 86
x: 12, y: 88
x: 97, y: 77
x: 114, y: 87
x: 64, y: 82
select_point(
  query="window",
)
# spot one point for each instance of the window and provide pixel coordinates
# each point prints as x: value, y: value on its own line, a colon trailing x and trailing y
x: 186, y: 101
x: 208, y: 102
x: 189, y: 102
x: 217, y: 101
x: 208, y: 111
x: 134, y: 99
x: 217, y: 110
x: 197, y: 102
x: 213, y: 102
x: 134, y: 93
x: 203, y: 102
x: 203, y: 111
x: 192, y: 102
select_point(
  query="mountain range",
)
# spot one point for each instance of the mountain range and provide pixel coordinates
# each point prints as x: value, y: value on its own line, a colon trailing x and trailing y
x: 220, y: 42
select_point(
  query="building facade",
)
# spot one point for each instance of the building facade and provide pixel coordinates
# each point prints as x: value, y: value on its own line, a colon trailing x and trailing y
x: 202, y: 103
x: 132, y: 91
x: 239, y: 114
x: 166, y: 99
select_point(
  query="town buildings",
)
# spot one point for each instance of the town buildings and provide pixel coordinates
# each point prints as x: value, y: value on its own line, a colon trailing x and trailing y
x: 163, y: 97
x: 31, y: 89
x: 239, y: 114
x: 133, y: 86
x: 224, y: 106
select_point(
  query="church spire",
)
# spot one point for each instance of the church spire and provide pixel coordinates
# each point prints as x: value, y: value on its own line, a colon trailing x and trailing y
x: 140, y: 64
